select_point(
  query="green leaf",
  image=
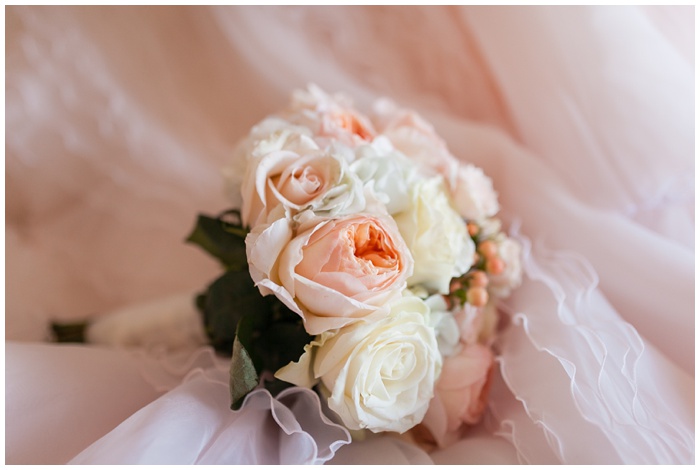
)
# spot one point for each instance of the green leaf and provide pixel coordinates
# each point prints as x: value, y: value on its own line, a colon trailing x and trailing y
x: 227, y: 300
x: 282, y: 343
x: 231, y: 222
x: 271, y: 343
x: 242, y: 375
x: 250, y: 331
x: 222, y: 239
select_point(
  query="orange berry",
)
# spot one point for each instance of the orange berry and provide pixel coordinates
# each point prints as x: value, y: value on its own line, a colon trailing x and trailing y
x: 478, y: 279
x: 477, y: 296
x: 488, y: 248
x: 495, y: 265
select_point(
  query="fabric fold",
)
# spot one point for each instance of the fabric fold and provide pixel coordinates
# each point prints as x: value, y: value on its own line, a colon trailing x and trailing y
x: 566, y: 337
x: 582, y: 117
x: 192, y: 424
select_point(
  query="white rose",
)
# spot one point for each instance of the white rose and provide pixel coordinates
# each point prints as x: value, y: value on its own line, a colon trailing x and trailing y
x: 378, y: 375
x: 473, y: 194
x: 510, y: 252
x: 447, y: 330
x: 289, y: 169
x: 436, y: 236
x: 489, y: 228
x: 387, y: 172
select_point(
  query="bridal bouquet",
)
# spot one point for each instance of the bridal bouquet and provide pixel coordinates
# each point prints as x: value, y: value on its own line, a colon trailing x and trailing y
x: 364, y: 261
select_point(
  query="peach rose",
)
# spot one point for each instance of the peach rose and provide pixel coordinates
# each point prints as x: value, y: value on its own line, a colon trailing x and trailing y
x: 248, y: 148
x: 289, y: 169
x: 460, y: 393
x: 334, y: 273
x: 330, y: 117
x: 416, y: 138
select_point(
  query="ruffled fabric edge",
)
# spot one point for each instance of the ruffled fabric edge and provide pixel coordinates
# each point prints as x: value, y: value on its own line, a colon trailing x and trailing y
x: 192, y: 424
x: 581, y: 374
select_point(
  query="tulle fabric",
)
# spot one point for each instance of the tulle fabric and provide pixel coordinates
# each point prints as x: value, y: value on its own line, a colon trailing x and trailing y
x: 189, y: 425
x: 583, y: 117
x: 611, y: 413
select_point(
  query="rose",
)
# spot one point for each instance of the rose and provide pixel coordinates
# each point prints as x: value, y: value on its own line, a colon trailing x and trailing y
x: 447, y: 329
x: 489, y: 228
x: 473, y: 194
x: 334, y: 272
x: 470, y: 320
x: 460, y: 393
x: 510, y: 252
x: 416, y: 138
x: 387, y: 172
x: 267, y: 130
x: 289, y: 169
x: 377, y: 375
x: 261, y: 157
x: 436, y: 236
x: 330, y: 118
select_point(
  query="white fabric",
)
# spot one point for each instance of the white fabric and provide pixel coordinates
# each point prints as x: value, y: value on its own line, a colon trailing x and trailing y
x: 186, y: 427
x: 118, y: 120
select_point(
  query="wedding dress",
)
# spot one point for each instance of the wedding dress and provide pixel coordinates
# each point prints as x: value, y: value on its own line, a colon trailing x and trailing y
x: 118, y: 120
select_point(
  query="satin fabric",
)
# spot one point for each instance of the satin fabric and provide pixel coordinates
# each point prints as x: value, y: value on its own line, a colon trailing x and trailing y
x: 118, y: 120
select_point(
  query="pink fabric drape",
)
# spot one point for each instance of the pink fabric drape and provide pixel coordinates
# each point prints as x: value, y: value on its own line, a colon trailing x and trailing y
x: 118, y: 120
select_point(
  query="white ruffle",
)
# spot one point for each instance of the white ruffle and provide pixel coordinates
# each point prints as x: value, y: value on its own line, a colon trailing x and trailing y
x: 565, y: 336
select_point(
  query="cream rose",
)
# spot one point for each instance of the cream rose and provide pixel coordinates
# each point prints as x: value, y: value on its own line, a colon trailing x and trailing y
x: 335, y: 272
x: 436, y: 235
x: 473, y: 194
x: 446, y: 327
x: 289, y: 169
x: 388, y: 173
x: 378, y: 375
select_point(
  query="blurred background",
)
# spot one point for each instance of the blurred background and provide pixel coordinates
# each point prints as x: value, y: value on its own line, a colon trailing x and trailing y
x: 119, y: 119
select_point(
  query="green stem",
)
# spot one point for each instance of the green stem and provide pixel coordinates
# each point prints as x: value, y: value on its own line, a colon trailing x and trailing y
x: 69, y: 332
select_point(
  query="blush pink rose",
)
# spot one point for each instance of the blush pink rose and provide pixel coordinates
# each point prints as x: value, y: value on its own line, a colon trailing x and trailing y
x: 416, y: 138
x: 460, y: 393
x: 334, y: 273
x: 330, y: 117
x: 318, y: 181
x: 474, y: 194
x: 469, y: 320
